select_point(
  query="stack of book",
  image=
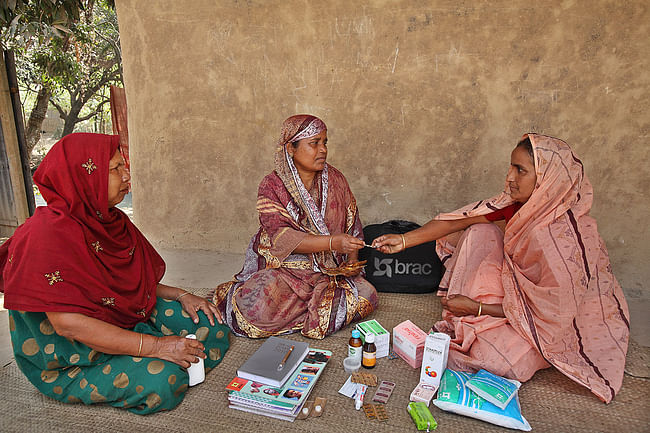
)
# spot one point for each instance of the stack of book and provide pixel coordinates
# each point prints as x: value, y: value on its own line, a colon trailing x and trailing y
x: 277, y: 379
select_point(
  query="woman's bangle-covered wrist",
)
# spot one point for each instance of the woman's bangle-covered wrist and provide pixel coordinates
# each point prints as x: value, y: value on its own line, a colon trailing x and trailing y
x: 140, y: 347
x: 181, y: 295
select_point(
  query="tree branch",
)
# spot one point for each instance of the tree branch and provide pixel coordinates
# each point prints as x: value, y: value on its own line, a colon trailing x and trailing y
x: 95, y: 111
x: 60, y: 109
x: 107, y: 77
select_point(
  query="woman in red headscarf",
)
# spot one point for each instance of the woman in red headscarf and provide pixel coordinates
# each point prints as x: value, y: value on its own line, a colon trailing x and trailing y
x: 89, y: 320
x: 296, y: 276
x: 543, y: 292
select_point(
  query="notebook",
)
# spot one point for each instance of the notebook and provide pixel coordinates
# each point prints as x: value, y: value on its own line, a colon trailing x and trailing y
x: 263, y: 365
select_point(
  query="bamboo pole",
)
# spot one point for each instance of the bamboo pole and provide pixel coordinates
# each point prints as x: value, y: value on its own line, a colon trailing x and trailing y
x: 13, y: 149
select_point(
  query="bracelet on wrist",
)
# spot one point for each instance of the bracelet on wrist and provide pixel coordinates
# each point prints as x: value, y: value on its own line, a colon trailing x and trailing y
x: 140, y: 347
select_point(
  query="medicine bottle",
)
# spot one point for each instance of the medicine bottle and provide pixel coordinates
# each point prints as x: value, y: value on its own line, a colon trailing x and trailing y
x: 354, y: 345
x: 369, y: 352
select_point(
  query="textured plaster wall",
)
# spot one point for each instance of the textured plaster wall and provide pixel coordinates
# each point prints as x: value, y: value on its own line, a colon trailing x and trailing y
x: 424, y: 101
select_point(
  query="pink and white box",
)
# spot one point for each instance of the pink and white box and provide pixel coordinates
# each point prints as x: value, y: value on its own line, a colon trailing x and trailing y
x: 408, y: 342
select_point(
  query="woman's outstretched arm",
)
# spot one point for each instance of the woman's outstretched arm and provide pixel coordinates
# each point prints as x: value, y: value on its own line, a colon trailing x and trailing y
x: 342, y: 242
x: 431, y: 231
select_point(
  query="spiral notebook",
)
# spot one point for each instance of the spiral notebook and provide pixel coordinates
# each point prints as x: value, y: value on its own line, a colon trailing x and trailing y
x: 264, y: 365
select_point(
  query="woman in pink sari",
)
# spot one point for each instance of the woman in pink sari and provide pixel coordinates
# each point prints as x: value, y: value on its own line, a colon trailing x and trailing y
x: 295, y: 276
x: 543, y: 292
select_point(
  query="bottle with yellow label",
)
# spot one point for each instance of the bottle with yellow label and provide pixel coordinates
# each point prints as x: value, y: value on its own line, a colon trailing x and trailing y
x: 369, y: 352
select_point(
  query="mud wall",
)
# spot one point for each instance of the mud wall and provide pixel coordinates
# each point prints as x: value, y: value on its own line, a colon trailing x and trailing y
x: 424, y: 101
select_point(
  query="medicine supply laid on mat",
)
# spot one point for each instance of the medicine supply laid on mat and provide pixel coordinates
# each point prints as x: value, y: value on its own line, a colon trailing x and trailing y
x: 355, y: 345
x: 434, y: 359
x: 380, y: 411
x: 423, y: 392
x: 454, y: 396
x: 382, y: 336
x: 306, y: 410
x: 495, y: 389
x: 421, y: 416
x: 365, y: 378
x: 319, y: 406
x: 375, y: 411
x: 359, y: 395
x: 369, y: 410
x: 408, y: 343
x: 349, y: 388
x: 351, y: 364
x: 383, y: 392
x: 369, y: 356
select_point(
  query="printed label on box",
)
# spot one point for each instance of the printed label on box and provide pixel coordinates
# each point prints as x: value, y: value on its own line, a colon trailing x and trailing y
x: 434, y: 359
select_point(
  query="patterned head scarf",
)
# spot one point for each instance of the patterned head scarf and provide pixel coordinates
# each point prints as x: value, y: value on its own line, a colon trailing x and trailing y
x: 297, y: 128
x: 76, y: 254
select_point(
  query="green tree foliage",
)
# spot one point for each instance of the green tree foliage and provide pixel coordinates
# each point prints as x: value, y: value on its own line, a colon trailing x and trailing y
x: 67, y: 54
x: 90, y: 63
x: 25, y: 22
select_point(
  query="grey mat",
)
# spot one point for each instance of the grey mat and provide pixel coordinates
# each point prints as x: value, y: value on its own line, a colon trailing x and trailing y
x: 550, y: 401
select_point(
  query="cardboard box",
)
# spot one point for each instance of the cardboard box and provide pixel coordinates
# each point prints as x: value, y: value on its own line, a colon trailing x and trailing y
x: 382, y: 337
x: 408, y: 342
x: 434, y: 359
x: 423, y: 392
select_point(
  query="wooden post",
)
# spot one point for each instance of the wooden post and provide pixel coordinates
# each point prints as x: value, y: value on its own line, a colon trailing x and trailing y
x: 13, y: 149
x: 12, y: 79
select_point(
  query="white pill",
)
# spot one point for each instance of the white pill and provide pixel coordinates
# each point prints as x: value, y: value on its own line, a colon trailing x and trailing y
x: 318, y: 408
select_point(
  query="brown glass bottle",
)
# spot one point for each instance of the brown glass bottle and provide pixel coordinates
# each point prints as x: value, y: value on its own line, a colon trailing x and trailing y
x: 354, y: 345
x: 369, y: 359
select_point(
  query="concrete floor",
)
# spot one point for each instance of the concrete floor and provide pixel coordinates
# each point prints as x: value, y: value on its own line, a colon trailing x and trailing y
x: 201, y: 269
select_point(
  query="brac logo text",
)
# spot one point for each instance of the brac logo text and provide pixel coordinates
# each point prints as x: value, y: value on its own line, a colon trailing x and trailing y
x: 388, y: 267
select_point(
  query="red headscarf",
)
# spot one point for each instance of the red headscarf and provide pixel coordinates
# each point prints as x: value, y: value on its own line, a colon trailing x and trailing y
x: 76, y: 255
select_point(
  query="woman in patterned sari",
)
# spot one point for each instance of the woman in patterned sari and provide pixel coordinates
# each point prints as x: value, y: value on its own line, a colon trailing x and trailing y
x: 309, y: 229
x: 89, y: 320
x: 543, y: 292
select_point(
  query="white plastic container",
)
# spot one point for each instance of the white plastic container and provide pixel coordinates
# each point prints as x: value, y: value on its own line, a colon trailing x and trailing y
x: 196, y: 370
x: 351, y: 364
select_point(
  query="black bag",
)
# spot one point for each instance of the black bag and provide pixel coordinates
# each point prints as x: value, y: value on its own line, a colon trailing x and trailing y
x: 415, y: 270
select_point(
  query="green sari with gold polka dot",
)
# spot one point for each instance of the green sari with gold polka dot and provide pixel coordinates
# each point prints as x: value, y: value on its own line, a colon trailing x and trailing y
x: 72, y: 372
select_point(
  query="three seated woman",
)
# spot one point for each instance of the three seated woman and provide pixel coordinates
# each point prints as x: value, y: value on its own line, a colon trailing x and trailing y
x: 91, y: 322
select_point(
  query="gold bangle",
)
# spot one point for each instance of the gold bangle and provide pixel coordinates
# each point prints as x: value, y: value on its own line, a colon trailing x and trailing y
x: 330, y: 242
x: 403, y: 241
x: 140, y: 348
x: 480, y: 307
x: 181, y: 295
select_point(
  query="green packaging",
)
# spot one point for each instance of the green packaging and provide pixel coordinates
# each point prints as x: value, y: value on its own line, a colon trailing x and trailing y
x: 421, y: 416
